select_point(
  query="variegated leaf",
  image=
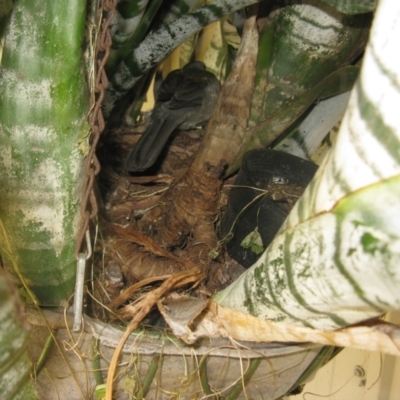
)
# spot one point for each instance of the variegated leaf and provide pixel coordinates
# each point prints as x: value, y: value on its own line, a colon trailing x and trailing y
x: 336, y: 259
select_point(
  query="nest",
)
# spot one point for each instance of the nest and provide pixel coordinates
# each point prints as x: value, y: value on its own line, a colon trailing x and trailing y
x: 131, y: 258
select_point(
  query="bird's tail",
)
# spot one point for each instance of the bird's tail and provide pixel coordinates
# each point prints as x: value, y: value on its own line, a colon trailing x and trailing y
x: 150, y: 145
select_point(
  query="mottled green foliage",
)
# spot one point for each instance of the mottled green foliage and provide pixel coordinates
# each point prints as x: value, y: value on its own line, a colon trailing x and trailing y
x: 43, y: 109
x: 269, y: 129
x: 299, y: 46
x: 253, y: 241
x: 352, y: 6
x: 159, y: 44
x: 15, y: 366
x: 335, y: 260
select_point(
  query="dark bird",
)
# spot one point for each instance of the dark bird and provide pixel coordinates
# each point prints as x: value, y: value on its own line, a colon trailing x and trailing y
x: 186, y: 99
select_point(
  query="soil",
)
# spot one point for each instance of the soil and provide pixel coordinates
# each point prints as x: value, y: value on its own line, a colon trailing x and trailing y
x: 129, y: 250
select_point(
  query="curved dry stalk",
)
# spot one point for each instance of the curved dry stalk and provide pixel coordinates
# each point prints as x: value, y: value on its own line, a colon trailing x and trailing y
x: 142, y: 308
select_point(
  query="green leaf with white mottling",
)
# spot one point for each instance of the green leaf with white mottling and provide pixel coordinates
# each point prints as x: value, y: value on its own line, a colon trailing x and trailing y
x: 158, y: 45
x: 218, y: 57
x: 15, y: 366
x: 253, y: 241
x: 134, y: 19
x: 128, y: 15
x: 300, y: 45
x: 334, y: 269
x: 368, y: 146
x: 128, y: 27
x: 305, y: 138
x: 335, y: 260
x: 268, y: 130
x: 175, y: 9
x: 352, y: 6
x: 5, y: 10
x: 43, y: 107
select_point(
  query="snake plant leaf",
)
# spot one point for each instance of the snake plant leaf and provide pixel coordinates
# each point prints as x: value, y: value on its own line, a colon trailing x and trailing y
x: 218, y: 57
x: 157, y: 45
x: 301, y: 45
x: 5, y: 10
x: 15, y: 369
x: 133, y: 20
x: 175, y: 9
x: 187, y: 49
x: 128, y: 15
x: 128, y: 27
x: 263, y: 134
x: 170, y: 12
x: 336, y: 259
x: 307, y: 136
x: 264, y: 60
x: 331, y: 270
x: 352, y: 6
x: 43, y: 106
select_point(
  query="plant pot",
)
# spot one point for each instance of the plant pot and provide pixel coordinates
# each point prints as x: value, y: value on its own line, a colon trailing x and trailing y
x: 172, y: 368
x: 263, y: 173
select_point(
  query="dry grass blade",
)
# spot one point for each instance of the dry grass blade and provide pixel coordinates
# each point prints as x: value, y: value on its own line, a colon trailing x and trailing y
x: 142, y: 307
x: 194, y: 276
x: 142, y: 240
x: 159, y: 178
x: 380, y: 336
x: 128, y: 293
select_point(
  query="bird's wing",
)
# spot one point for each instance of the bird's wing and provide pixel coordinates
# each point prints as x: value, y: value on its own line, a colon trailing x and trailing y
x: 152, y: 142
x: 185, y: 98
x: 191, y: 93
x: 169, y: 86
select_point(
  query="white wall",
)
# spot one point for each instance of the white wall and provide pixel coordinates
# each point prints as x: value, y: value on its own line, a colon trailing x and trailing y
x: 338, y: 380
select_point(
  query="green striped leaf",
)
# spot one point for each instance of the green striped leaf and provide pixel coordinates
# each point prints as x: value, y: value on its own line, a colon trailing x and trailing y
x: 305, y: 138
x: 5, y: 10
x: 157, y: 45
x: 352, y: 6
x: 268, y: 130
x: 15, y: 366
x: 219, y: 55
x: 336, y: 259
x: 123, y: 28
x: 43, y: 107
x: 300, y: 45
x: 331, y: 270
